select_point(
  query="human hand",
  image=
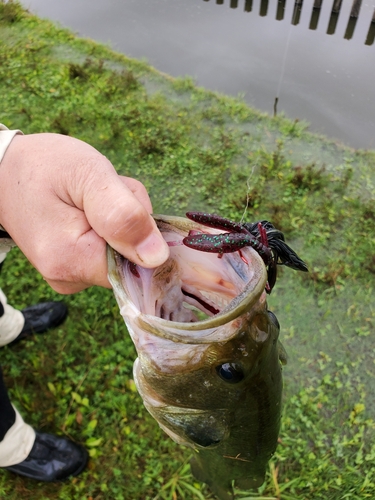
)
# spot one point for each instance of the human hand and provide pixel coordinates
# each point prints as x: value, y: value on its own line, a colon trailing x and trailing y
x: 61, y: 201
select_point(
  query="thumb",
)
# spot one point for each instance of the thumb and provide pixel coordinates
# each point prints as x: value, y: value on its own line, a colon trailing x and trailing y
x: 115, y: 208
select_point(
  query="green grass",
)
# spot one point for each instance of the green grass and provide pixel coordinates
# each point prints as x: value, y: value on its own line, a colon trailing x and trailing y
x: 194, y: 149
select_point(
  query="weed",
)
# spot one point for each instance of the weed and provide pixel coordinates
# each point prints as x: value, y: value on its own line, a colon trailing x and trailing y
x: 10, y: 11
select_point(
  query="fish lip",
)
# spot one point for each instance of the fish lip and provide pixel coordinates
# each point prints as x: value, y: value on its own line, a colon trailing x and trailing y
x: 175, y: 330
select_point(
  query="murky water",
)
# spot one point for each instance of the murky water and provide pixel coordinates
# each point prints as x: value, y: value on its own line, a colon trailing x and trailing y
x: 324, y: 79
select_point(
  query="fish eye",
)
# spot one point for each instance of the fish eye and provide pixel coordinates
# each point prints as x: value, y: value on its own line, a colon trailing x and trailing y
x: 273, y: 318
x: 230, y: 372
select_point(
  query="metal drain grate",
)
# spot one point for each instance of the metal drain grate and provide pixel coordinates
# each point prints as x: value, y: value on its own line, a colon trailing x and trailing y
x: 343, y: 17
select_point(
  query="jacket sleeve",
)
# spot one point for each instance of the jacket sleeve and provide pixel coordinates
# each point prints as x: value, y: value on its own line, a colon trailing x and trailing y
x: 6, y: 136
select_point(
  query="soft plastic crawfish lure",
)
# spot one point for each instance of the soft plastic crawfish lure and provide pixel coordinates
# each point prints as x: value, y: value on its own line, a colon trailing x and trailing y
x: 268, y: 241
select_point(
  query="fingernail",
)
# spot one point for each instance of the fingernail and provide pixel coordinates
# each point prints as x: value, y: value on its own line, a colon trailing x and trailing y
x: 153, y: 251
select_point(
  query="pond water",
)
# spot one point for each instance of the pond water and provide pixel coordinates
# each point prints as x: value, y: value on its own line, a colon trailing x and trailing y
x: 324, y: 79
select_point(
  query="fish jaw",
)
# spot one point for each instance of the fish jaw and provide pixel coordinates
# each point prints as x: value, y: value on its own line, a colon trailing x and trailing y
x: 232, y: 428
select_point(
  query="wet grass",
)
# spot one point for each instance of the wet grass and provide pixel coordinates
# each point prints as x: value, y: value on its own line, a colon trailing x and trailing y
x: 195, y: 150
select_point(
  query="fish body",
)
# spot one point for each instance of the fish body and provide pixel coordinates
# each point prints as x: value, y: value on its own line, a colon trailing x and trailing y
x: 208, y: 367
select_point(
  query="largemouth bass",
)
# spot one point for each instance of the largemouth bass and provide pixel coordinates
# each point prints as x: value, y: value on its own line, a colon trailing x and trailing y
x: 208, y: 367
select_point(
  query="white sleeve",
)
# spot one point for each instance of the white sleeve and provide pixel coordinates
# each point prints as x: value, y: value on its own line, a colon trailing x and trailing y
x: 6, y: 137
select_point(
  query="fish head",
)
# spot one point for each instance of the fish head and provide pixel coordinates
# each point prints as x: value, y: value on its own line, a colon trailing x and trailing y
x: 207, y: 367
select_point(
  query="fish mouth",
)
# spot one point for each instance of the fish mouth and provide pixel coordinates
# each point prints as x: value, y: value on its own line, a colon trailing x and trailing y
x: 170, y: 301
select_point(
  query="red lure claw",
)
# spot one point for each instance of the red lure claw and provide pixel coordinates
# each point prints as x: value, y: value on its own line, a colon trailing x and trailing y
x: 263, y: 234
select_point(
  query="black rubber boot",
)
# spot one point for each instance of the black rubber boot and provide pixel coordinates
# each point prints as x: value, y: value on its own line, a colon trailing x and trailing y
x: 41, y: 317
x: 52, y: 458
